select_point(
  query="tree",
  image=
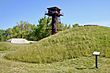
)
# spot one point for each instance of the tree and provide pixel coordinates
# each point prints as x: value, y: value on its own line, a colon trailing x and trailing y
x: 44, y: 28
x: 76, y: 25
x: 2, y: 38
x: 31, y: 32
x: 22, y: 30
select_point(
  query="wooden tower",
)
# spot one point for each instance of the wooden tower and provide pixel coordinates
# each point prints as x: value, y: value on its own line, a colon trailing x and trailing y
x: 54, y: 12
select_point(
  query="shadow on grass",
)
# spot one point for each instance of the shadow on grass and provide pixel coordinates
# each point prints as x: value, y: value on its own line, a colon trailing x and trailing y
x: 83, y: 67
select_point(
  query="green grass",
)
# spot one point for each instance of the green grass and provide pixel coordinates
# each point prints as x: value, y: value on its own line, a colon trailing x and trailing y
x: 77, y: 65
x: 69, y: 51
x: 5, y: 46
x: 73, y: 43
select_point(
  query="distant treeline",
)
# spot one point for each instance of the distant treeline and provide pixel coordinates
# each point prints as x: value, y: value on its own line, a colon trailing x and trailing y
x: 33, y: 32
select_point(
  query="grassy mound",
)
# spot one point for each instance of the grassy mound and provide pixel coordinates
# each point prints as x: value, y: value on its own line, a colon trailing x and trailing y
x: 72, y: 43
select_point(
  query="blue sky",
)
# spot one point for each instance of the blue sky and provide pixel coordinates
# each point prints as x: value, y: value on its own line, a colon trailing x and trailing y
x: 75, y: 11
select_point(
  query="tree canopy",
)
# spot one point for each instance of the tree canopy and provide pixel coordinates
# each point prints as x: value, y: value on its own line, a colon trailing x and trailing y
x: 30, y: 31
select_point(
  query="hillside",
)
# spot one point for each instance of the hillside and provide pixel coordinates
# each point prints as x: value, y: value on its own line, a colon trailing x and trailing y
x: 73, y: 43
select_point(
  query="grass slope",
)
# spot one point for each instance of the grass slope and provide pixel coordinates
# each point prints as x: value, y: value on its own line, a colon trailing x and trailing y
x: 77, y: 65
x: 5, y: 46
x: 69, y: 44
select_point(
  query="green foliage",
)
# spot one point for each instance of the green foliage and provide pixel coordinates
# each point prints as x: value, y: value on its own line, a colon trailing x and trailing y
x: 72, y: 43
x: 2, y: 38
x: 30, y: 31
x: 76, y: 25
x: 44, y: 28
x: 22, y: 30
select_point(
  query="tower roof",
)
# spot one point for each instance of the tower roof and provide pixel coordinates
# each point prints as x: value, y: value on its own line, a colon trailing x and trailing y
x: 54, y: 8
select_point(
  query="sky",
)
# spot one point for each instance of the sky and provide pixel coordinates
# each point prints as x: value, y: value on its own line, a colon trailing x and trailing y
x: 83, y: 12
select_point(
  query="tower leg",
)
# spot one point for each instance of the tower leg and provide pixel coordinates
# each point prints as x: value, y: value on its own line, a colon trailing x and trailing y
x: 54, y: 23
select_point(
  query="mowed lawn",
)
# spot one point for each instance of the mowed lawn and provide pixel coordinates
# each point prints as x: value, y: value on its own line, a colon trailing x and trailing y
x: 69, y: 51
